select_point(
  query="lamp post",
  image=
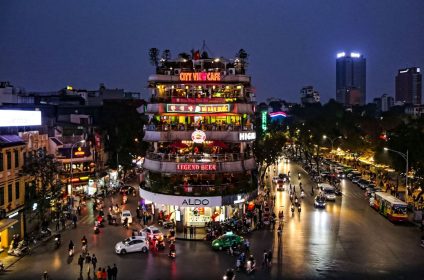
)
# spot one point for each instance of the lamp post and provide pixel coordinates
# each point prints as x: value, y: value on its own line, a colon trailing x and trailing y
x: 406, y: 158
x: 72, y: 156
x: 331, y: 140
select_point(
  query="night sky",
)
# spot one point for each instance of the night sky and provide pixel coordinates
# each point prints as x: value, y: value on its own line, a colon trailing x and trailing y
x: 46, y: 45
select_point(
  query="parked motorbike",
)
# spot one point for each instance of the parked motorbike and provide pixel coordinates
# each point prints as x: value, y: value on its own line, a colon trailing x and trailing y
x: 21, y: 250
x: 172, y: 254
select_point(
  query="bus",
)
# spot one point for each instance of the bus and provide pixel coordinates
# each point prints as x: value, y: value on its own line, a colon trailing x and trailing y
x: 389, y: 206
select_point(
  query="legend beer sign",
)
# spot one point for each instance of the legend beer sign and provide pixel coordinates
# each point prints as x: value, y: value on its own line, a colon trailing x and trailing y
x: 195, y: 167
x: 200, y: 77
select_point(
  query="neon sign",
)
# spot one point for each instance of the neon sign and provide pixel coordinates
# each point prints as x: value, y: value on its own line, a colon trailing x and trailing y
x: 196, y: 167
x: 199, y: 108
x: 198, y: 136
x: 264, y: 120
x: 200, y: 77
x: 79, y: 152
x: 277, y: 114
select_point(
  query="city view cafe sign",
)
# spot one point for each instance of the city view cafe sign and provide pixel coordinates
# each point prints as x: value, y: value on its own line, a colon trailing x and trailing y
x: 182, y: 201
x: 200, y: 77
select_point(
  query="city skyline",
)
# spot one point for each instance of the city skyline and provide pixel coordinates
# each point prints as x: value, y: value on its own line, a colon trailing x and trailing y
x: 84, y: 44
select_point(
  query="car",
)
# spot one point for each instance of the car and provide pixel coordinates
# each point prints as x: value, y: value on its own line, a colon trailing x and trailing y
x: 275, y: 179
x: 363, y: 184
x: 132, y: 244
x: 319, y: 201
x: 151, y: 232
x: 355, y: 180
x: 126, y: 214
x: 227, y: 240
x: 329, y: 192
x: 372, y: 189
x: 353, y: 173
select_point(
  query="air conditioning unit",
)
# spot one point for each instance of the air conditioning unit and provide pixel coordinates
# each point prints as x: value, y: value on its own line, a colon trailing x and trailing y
x: 167, y: 72
x: 177, y: 71
x: 231, y: 71
x: 223, y: 73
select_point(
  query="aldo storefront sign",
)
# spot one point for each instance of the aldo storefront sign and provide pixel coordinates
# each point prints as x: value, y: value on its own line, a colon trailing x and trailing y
x: 182, y: 201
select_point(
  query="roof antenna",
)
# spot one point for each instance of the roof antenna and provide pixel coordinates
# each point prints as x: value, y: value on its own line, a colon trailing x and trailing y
x: 206, y: 48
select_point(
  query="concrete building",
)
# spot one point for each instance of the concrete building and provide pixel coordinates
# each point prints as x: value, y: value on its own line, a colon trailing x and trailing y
x: 351, y: 78
x: 308, y: 95
x: 384, y: 103
x: 409, y: 85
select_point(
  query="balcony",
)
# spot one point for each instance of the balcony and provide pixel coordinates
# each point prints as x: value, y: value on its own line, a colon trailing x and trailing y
x: 167, y: 163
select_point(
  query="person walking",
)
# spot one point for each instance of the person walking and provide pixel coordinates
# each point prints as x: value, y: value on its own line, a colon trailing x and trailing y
x: 194, y: 232
x: 104, y: 274
x: 109, y: 273
x: 264, y: 259
x: 99, y: 274
x: 269, y: 255
x: 185, y: 232
x: 81, y: 263
x: 94, y: 262
x: 191, y: 232
x: 114, y: 272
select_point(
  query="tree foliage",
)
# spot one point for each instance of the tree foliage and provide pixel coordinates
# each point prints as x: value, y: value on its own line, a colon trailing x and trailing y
x: 43, y: 170
x: 154, y: 56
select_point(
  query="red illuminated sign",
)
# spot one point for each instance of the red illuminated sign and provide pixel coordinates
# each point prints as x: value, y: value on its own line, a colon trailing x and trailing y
x: 200, y: 77
x: 79, y: 152
x: 199, y: 108
x: 196, y: 167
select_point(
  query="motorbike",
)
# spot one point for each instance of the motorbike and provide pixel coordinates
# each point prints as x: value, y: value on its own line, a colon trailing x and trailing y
x: 57, y: 241
x: 172, y: 254
x: 229, y: 275
x: 299, y: 209
x: 96, y: 229
x: 2, y: 268
x: 71, y: 252
x: 250, y: 266
x: 302, y: 194
x: 168, y: 224
x: 84, y: 249
x: 45, y: 232
x: 20, y: 250
x: 292, y: 209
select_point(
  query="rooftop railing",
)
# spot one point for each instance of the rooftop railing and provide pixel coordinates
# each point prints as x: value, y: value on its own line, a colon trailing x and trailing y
x: 204, y: 127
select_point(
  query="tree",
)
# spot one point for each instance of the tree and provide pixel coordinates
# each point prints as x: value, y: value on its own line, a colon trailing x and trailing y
x: 242, y: 54
x: 267, y: 149
x: 184, y: 55
x: 166, y: 55
x: 43, y: 170
x: 154, y: 56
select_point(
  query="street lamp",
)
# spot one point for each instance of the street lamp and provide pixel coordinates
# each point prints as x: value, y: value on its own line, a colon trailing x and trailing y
x: 331, y: 140
x: 72, y: 156
x: 406, y: 158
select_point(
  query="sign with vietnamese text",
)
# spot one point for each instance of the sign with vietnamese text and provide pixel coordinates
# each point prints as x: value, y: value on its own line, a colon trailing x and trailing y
x: 200, y: 77
x: 199, y: 108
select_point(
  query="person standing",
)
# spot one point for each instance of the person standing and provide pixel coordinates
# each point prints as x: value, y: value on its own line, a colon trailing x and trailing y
x: 191, y: 232
x: 185, y: 231
x: 109, y: 273
x: 104, y: 274
x: 94, y: 262
x: 114, y: 272
x: 194, y: 232
x: 99, y: 274
x: 81, y: 263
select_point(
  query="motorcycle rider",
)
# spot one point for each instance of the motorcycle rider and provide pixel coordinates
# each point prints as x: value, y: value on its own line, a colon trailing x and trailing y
x: 299, y: 209
x: 172, y: 248
x: 292, y: 209
x: 71, y: 248
x: 57, y: 240
x: 250, y: 265
x: 125, y: 224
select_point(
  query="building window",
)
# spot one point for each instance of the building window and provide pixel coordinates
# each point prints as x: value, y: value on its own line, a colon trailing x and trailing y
x: 9, y: 160
x: 16, y: 158
x: 17, y: 190
x: 9, y: 195
x: 1, y: 196
x: 1, y: 161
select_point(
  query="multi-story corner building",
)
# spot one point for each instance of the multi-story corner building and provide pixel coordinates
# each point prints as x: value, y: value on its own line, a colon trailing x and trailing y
x: 351, y: 79
x: 384, y: 103
x: 12, y: 188
x: 200, y: 165
x: 409, y: 86
x: 308, y: 95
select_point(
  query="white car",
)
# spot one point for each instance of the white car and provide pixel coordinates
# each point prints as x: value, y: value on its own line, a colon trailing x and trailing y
x: 151, y: 231
x: 126, y: 214
x: 132, y: 244
x: 329, y: 191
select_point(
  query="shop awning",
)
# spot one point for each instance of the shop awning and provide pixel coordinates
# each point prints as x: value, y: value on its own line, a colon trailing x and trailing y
x: 6, y: 223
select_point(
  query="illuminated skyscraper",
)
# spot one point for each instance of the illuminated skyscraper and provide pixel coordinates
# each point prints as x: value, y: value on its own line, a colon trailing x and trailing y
x: 408, y: 85
x: 351, y: 78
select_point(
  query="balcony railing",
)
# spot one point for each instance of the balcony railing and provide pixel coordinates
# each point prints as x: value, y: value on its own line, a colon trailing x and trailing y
x: 204, y: 127
x: 199, y: 158
x: 199, y: 189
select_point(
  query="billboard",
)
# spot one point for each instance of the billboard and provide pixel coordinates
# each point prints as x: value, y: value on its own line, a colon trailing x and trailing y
x: 19, y: 118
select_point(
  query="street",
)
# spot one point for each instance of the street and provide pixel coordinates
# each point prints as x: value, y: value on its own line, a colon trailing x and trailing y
x: 347, y: 240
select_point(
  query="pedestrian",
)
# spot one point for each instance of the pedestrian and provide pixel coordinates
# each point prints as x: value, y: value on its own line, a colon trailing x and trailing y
x: 109, y: 273
x: 185, y: 231
x: 45, y: 276
x: 81, y: 262
x: 191, y: 232
x: 194, y: 232
x: 269, y: 255
x: 63, y: 222
x: 99, y: 274
x: 57, y: 225
x: 264, y: 259
x: 114, y: 272
x: 79, y: 210
x: 88, y: 271
x: 104, y: 274
x: 94, y: 262
x: 74, y: 220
